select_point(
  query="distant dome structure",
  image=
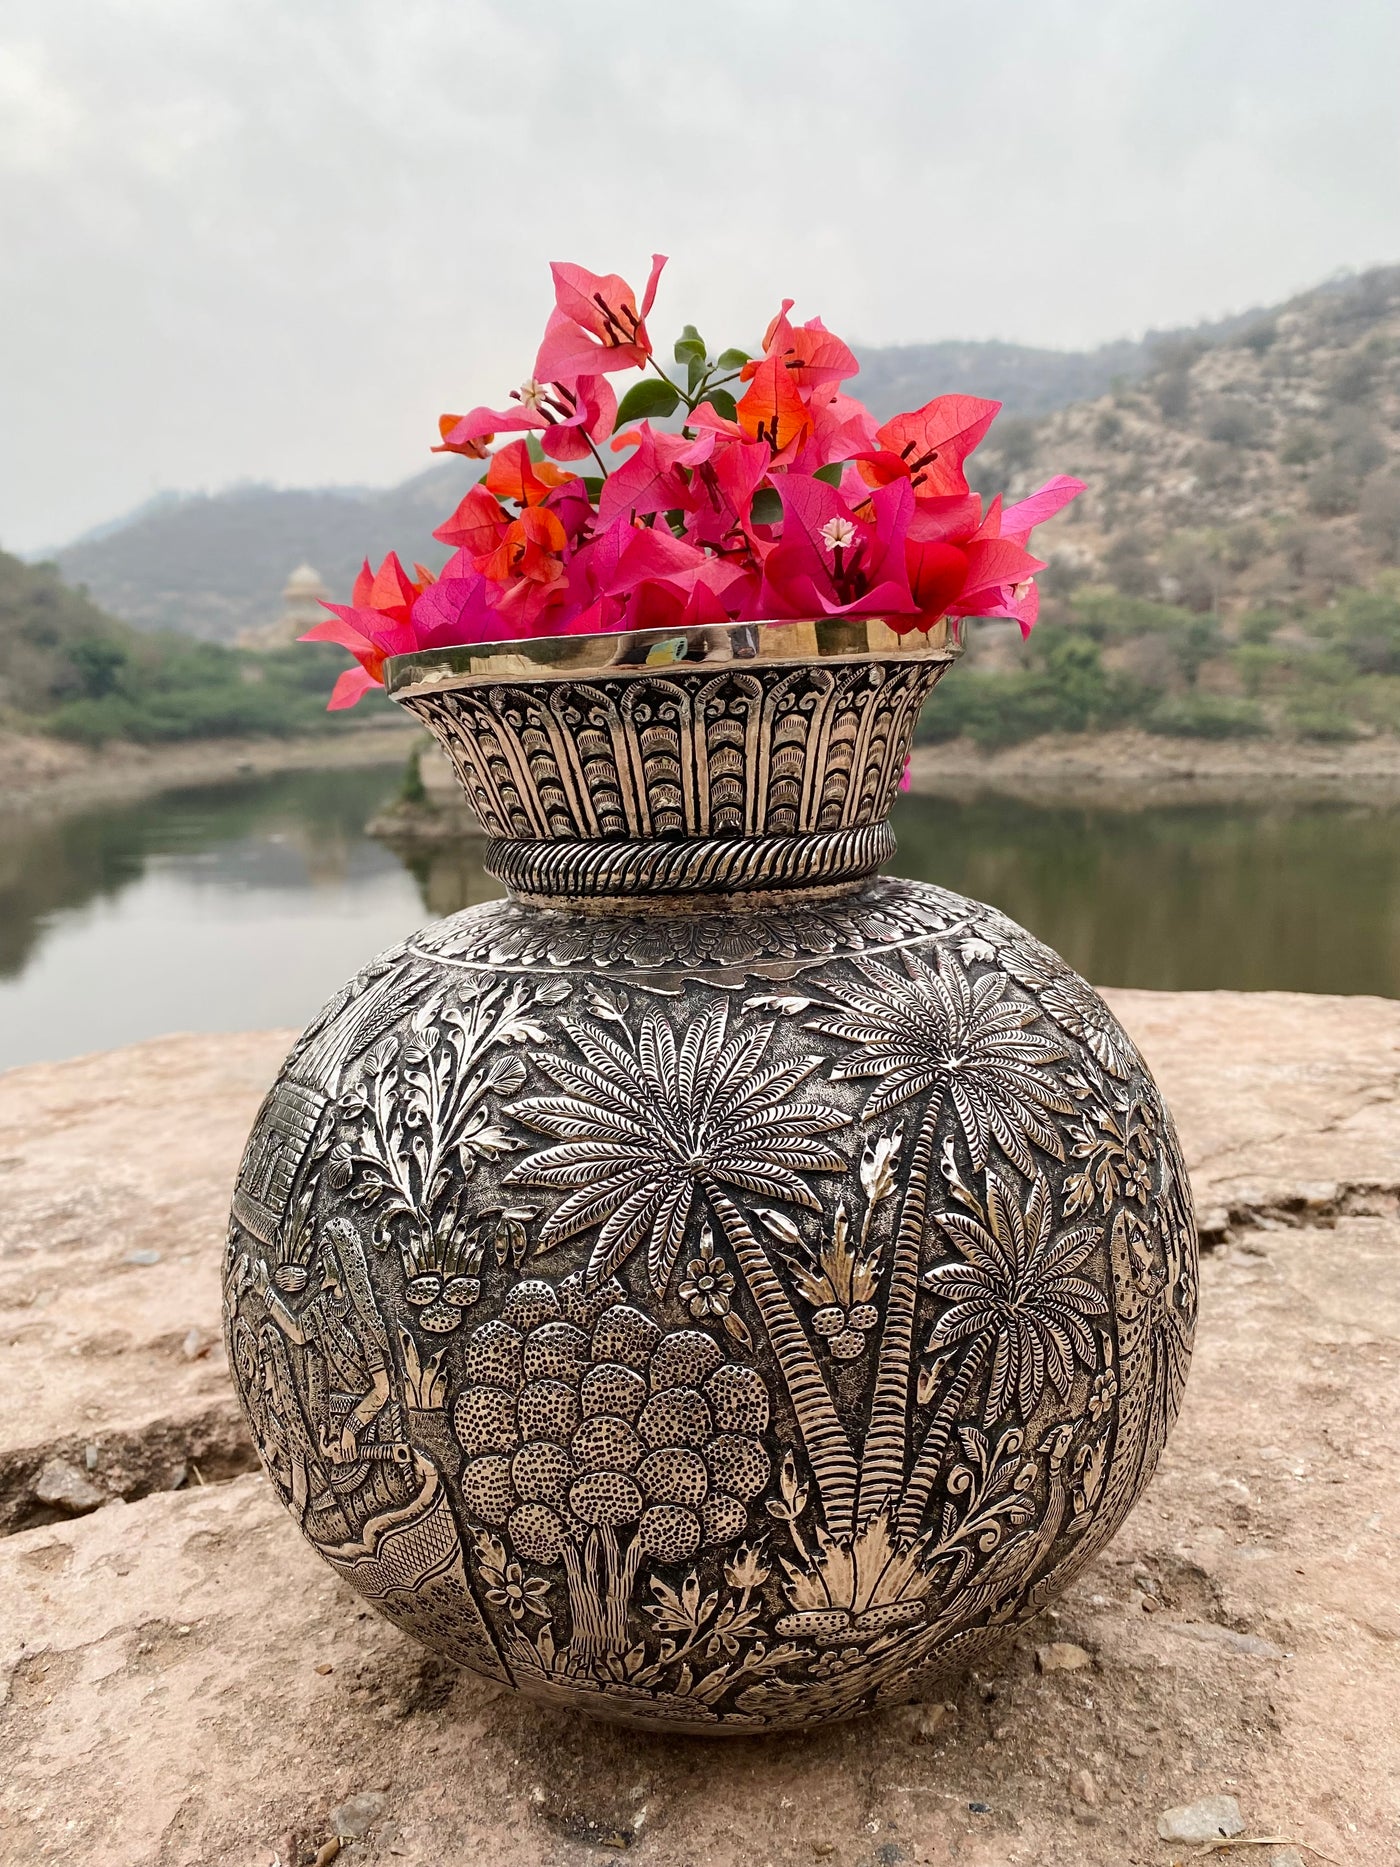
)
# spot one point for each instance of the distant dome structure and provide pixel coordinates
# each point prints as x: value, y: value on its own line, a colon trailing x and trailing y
x: 302, y: 597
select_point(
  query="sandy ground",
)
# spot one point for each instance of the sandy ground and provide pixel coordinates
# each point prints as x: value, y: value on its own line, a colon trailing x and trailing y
x: 40, y: 775
x: 1133, y: 770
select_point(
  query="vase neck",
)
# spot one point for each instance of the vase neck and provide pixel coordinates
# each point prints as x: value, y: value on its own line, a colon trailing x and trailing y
x: 631, y: 786
x: 643, y: 874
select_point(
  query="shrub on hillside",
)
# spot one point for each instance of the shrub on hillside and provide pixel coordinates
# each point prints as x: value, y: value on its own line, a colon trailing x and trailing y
x: 1067, y: 689
x: 1206, y: 716
x: 1325, y: 717
x: 1333, y: 491
x: 1366, y: 624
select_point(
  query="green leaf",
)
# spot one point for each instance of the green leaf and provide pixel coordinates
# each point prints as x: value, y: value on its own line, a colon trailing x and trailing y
x: 690, y: 345
x: 593, y: 485
x: 533, y: 448
x: 733, y: 360
x: 695, y: 372
x: 831, y: 474
x: 722, y: 402
x: 767, y: 508
x: 649, y: 397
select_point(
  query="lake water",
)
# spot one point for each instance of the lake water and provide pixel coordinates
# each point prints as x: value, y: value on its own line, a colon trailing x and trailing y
x: 245, y: 906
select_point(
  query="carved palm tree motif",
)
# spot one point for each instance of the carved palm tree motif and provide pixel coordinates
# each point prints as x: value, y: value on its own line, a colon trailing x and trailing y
x: 1073, y: 1005
x: 1014, y: 1297
x: 929, y: 1029
x: 647, y: 1126
x: 932, y: 1028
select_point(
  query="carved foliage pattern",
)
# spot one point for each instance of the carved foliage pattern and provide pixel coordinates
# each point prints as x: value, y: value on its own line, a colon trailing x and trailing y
x: 772, y: 751
x: 706, y: 1332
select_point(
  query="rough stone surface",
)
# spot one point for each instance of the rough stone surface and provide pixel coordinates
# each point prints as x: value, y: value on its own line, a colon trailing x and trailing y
x: 114, y: 1182
x: 1211, y: 1819
x: 182, y: 1682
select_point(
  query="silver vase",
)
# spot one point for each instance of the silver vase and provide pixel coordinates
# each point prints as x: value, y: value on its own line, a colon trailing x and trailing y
x: 716, y: 1287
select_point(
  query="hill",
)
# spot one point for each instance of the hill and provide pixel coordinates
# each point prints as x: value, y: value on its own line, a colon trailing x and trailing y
x: 1259, y: 469
x: 1234, y: 568
x: 213, y: 565
x: 69, y: 669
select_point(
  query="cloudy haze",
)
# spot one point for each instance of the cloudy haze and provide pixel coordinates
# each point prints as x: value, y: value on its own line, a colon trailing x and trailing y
x: 271, y: 239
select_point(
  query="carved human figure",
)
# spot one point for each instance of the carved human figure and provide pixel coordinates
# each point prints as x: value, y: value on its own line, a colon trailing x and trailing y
x: 346, y: 1379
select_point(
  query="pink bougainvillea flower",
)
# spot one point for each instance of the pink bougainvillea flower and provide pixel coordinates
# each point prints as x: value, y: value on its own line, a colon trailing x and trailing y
x: 1020, y: 599
x: 842, y: 429
x: 531, y: 547
x: 773, y: 410
x: 595, y: 326
x: 832, y: 559
x: 671, y: 584
x: 813, y: 356
x: 373, y: 625
x: 957, y: 567
x: 725, y: 473
x: 469, y: 434
x: 571, y: 505
x: 458, y: 608
x: 650, y: 480
x: 1020, y: 520
x: 477, y: 526
x: 929, y: 446
x: 513, y: 475
x: 460, y: 436
x: 582, y: 412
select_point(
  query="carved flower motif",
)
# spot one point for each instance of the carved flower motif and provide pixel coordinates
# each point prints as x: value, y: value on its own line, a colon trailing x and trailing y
x: 708, y: 1284
x: 520, y: 1594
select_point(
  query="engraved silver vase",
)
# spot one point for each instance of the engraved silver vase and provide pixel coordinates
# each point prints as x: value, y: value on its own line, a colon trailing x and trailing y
x: 716, y: 1287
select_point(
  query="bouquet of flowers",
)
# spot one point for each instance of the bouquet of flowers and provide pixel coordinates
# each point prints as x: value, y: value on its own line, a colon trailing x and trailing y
x: 776, y: 496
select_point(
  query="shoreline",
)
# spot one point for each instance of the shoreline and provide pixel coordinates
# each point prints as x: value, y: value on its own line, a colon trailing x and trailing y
x: 1137, y: 771
x: 40, y: 775
x: 1126, y: 770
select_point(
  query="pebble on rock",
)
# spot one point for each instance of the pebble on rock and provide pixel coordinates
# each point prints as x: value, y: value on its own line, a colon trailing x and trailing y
x: 1213, y: 1818
x: 353, y: 1818
x: 64, y: 1486
x: 1062, y: 1656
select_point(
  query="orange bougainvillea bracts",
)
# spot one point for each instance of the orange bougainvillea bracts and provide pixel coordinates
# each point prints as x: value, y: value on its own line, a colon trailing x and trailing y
x: 768, y: 493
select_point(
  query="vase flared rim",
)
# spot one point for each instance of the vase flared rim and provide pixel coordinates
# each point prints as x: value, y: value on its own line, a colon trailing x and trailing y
x: 645, y: 652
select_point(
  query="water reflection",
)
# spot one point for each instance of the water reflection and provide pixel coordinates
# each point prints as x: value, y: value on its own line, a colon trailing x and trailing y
x: 223, y: 908
x: 1181, y: 899
x: 247, y: 905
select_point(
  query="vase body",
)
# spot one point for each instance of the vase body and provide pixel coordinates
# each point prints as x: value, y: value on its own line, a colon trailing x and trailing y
x: 716, y: 1287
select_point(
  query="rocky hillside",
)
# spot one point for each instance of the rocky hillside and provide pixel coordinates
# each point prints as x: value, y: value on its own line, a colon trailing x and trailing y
x: 1262, y: 469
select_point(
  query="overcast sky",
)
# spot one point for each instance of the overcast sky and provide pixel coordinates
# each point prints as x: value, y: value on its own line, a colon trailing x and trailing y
x: 272, y: 239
